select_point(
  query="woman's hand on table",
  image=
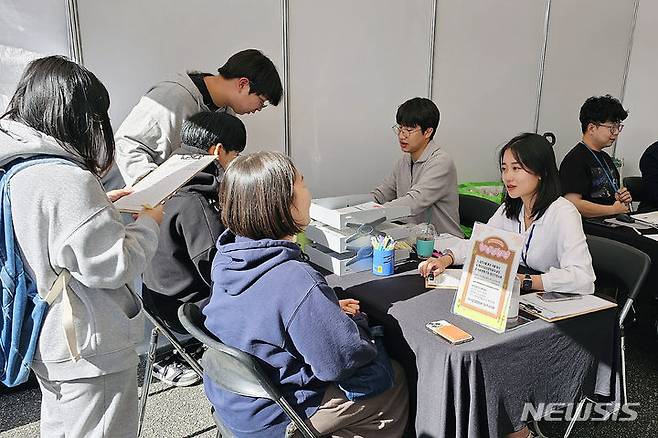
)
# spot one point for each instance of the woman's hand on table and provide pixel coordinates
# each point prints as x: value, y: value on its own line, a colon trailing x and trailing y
x: 434, y: 265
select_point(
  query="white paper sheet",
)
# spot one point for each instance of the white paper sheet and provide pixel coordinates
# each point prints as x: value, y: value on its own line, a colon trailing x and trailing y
x: 448, y: 279
x: 163, y: 181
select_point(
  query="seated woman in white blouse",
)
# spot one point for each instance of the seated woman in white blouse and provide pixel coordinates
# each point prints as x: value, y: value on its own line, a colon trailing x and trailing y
x: 555, y: 254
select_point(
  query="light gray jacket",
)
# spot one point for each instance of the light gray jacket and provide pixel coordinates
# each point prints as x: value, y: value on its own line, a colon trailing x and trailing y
x: 64, y: 220
x: 428, y: 186
x: 151, y: 132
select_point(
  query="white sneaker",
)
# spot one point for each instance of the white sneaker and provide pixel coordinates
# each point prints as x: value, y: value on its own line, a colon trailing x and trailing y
x: 174, y: 371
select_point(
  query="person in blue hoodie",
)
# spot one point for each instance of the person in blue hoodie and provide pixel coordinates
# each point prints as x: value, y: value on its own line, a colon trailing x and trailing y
x: 267, y: 301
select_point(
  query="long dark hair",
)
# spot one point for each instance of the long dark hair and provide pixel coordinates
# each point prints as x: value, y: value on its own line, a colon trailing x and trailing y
x: 535, y: 155
x: 66, y: 101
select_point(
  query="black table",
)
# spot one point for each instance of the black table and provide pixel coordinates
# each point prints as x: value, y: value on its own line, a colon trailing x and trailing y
x: 478, y: 389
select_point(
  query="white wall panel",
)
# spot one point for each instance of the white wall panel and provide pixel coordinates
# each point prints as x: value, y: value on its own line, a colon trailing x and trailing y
x: 485, y: 81
x: 29, y: 29
x: 351, y: 65
x: 131, y: 45
x: 586, y: 56
x: 641, y: 90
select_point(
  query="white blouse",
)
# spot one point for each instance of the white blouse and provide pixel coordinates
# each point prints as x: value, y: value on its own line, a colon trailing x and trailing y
x: 557, y: 247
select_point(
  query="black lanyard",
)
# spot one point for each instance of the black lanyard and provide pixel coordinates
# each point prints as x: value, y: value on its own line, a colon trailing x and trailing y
x: 606, y: 170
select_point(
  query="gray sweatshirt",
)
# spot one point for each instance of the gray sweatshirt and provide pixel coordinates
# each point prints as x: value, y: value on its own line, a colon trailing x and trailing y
x: 427, y: 186
x: 151, y: 132
x: 64, y: 220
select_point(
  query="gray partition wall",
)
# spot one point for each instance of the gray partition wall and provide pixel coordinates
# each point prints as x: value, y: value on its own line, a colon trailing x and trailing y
x: 351, y: 65
x: 486, y: 69
x: 131, y: 45
x: 28, y: 29
x: 641, y: 90
x: 586, y: 56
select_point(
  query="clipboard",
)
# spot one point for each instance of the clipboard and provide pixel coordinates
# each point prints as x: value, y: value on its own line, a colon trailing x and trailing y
x: 164, y: 181
x: 559, y: 310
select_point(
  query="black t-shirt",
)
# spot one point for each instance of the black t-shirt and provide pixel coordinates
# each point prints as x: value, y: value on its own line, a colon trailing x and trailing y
x: 589, y: 173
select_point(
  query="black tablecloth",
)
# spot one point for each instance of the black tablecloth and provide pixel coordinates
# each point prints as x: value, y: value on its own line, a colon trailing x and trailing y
x: 478, y: 389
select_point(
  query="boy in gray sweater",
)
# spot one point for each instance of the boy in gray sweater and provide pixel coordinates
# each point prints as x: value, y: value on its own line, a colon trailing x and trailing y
x: 247, y: 83
x: 425, y: 177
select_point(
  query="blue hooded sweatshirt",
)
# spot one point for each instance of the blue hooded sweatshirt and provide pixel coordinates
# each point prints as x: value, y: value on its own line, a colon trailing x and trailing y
x: 268, y: 302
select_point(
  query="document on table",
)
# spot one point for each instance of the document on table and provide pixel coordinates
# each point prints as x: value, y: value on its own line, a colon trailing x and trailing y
x: 448, y: 279
x: 558, y: 310
x: 637, y: 226
x: 163, y: 182
x: 651, y: 217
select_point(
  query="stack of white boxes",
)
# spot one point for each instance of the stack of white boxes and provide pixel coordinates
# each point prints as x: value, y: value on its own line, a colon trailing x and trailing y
x: 329, y: 231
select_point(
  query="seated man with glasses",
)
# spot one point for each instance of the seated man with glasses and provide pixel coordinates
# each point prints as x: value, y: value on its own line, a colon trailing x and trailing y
x: 425, y: 177
x: 589, y: 177
x: 246, y: 83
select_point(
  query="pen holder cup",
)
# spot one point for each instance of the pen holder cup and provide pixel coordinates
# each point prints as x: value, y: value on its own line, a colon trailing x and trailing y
x: 513, y: 313
x: 425, y: 247
x: 383, y: 261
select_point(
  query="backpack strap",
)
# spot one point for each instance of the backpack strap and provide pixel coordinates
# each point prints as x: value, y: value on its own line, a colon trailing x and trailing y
x: 60, y: 286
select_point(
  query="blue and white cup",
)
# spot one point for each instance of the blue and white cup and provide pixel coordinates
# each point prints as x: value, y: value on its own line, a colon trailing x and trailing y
x: 383, y: 261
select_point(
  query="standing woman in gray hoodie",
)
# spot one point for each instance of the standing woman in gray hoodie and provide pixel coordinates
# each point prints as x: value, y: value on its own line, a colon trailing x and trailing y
x: 65, y: 224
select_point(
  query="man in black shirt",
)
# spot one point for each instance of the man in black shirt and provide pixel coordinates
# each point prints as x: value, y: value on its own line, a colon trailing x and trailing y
x: 588, y: 175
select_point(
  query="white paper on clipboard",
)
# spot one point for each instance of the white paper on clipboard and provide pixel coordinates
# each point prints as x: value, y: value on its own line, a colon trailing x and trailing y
x: 163, y: 181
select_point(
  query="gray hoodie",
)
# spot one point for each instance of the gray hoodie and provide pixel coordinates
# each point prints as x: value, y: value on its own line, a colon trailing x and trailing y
x: 64, y: 220
x: 151, y: 132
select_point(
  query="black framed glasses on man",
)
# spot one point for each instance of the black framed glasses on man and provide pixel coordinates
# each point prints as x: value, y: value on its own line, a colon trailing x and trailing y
x: 615, y: 128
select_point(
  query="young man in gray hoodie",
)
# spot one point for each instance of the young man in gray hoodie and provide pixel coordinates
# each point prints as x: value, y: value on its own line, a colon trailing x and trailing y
x: 425, y: 177
x: 247, y: 83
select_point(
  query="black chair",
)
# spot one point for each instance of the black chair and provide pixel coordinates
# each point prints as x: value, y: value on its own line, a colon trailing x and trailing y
x: 234, y: 370
x: 473, y: 209
x: 629, y: 267
x: 159, y: 327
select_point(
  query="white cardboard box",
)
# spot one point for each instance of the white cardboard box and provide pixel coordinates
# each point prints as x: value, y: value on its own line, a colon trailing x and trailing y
x: 336, y: 263
x: 337, y: 212
x: 335, y: 239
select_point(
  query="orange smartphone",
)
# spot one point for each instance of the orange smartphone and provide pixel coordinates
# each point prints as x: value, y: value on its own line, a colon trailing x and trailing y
x: 449, y: 332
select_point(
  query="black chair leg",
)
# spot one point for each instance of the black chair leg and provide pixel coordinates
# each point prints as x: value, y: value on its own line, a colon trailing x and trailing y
x: 148, y: 376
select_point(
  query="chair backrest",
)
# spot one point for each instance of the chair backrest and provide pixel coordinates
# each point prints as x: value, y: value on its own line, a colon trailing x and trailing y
x: 234, y: 370
x: 626, y: 264
x: 635, y: 185
x: 473, y: 209
x: 230, y: 368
